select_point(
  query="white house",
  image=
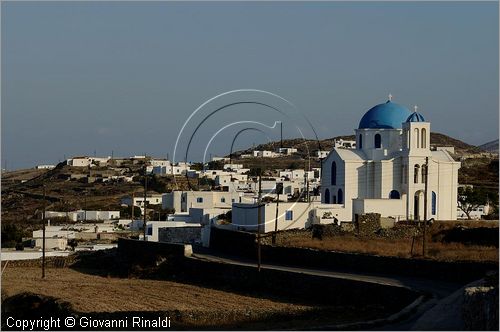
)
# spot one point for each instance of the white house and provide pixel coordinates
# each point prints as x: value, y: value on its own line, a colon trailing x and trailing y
x: 138, y: 200
x: 476, y: 213
x: 265, y: 154
x: 78, y: 162
x: 183, y: 201
x: 286, y: 151
x: 386, y: 172
x: 45, y: 166
x: 320, y: 154
x: 347, y: 144
x: 291, y: 215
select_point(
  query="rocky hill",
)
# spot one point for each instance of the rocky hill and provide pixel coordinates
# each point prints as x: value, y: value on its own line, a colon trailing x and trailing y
x: 490, y: 146
x: 309, y: 147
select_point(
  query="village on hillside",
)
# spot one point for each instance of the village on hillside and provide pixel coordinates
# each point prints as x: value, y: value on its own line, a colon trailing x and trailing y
x: 220, y: 165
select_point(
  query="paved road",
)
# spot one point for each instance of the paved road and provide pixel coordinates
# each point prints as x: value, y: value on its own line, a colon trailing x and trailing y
x: 433, y: 289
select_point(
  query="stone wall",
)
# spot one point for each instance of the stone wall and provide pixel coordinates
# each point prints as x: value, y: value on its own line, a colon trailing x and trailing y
x: 179, y: 234
x: 145, y: 252
x: 480, y: 308
x: 244, y: 244
x: 368, y: 224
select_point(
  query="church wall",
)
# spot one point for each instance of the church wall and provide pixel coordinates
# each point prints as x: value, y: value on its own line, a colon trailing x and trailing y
x: 447, y: 191
x: 390, y: 177
x: 384, y: 206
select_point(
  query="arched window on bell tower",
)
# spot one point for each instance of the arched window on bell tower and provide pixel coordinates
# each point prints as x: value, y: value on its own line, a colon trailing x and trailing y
x: 416, y: 138
x: 415, y: 173
x: 424, y: 138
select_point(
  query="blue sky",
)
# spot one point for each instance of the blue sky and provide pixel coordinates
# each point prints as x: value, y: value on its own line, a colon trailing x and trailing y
x: 124, y: 77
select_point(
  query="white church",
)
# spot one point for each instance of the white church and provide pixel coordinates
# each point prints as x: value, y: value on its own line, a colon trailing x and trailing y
x: 385, y: 173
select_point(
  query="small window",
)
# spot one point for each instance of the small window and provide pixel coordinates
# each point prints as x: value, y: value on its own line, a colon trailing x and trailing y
x: 360, y: 142
x: 199, y: 199
x: 149, y: 231
x: 415, y: 174
x: 333, y: 175
x: 340, y: 197
x: 289, y: 215
x: 394, y: 194
x: 378, y: 141
x: 223, y: 200
x: 424, y: 173
x: 232, y: 200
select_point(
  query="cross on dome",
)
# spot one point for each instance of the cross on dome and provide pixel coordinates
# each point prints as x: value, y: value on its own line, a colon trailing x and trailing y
x: 390, y: 97
x: 415, y: 108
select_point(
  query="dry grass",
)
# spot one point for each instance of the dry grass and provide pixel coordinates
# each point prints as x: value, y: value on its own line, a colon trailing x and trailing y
x: 398, y: 248
x: 90, y: 293
x: 402, y: 247
x: 189, y: 306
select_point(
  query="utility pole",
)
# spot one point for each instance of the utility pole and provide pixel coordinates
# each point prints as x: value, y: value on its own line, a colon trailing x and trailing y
x: 145, y: 199
x: 85, y: 207
x: 281, y: 134
x: 133, y: 203
x: 43, y: 234
x: 425, y: 202
x: 279, y: 188
x: 259, y: 216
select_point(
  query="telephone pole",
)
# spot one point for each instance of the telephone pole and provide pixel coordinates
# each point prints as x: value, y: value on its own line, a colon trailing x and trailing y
x: 259, y: 216
x: 145, y: 199
x: 281, y: 134
x: 43, y: 233
x: 279, y: 189
x: 425, y: 202
x: 133, y: 203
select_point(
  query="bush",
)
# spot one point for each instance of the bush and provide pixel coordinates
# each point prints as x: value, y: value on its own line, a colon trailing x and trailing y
x: 11, y: 235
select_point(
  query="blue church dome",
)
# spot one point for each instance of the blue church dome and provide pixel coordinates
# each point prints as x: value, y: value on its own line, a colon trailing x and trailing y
x: 385, y: 116
x: 415, y: 117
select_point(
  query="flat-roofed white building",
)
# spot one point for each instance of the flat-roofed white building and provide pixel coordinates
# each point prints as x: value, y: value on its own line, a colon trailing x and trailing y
x: 291, y: 215
x: 183, y: 201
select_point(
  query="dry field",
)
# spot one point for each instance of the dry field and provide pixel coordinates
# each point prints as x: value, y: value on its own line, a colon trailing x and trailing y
x: 435, y: 249
x: 189, y: 306
x: 91, y: 293
x: 398, y: 248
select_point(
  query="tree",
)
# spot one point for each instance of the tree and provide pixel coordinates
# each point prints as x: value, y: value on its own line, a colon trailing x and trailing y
x: 73, y: 243
x: 470, y: 198
x: 11, y: 235
x: 127, y: 212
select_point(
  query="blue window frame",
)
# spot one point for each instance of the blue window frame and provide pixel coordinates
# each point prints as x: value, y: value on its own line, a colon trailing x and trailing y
x: 340, y: 197
x: 434, y: 201
x: 199, y: 200
x: 289, y: 215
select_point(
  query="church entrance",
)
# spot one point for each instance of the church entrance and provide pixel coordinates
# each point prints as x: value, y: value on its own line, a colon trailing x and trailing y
x: 418, y: 205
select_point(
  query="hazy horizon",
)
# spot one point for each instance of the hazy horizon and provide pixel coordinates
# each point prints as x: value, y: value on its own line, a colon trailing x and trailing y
x: 124, y: 77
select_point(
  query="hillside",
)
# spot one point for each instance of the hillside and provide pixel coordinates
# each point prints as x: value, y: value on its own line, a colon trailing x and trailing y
x: 490, y: 146
x: 309, y: 147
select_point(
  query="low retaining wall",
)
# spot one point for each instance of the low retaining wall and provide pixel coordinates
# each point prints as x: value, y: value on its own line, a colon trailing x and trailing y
x: 244, y: 244
x: 148, y: 252
x: 294, y: 286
